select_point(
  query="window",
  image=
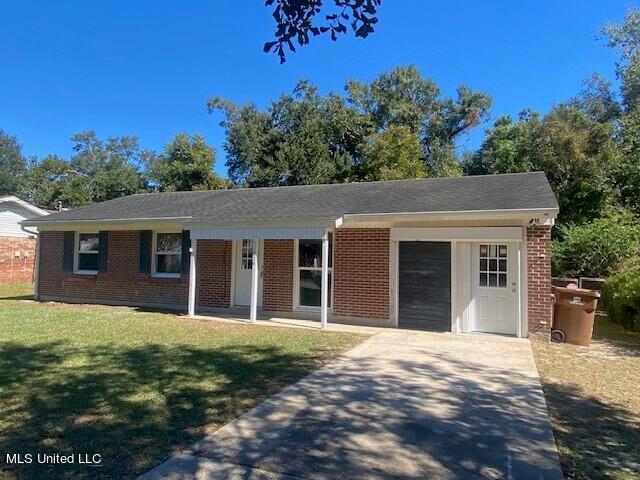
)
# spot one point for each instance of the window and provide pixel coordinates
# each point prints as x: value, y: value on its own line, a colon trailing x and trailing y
x: 86, y: 259
x: 310, y: 272
x: 493, y: 266
x: 167, y: 254
x: 247, y: 254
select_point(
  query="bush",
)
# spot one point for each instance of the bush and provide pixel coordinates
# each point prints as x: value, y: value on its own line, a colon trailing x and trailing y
x: 595, y: 249
x: 621, y: 296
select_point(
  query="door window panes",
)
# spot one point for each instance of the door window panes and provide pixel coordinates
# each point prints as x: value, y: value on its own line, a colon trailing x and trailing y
x: 493, y: 265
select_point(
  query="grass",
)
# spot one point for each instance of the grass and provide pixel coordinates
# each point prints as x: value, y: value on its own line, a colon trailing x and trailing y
x: 133, y: 387
x: 593, y: 397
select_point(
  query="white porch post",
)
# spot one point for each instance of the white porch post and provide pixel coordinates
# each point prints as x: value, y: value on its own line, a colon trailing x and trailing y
x: 324, y: 290
x: 191, y: 309
x: 253, y: 314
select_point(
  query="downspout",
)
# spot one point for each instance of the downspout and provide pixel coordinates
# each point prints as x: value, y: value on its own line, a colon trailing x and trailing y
x: 36, y: 264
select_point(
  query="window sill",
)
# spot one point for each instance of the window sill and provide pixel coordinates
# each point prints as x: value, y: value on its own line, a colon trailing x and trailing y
x: 86, y: 272
x: 165, y: 275
x: 302, y: 308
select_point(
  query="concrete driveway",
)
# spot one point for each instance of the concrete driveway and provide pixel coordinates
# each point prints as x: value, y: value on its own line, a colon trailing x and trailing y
x: 403, y: 404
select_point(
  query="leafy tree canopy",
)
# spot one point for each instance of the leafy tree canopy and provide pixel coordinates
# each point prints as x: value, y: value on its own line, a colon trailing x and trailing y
x: 13, y: 165
x: 574, y: 151
x: 305, y: 137
x: 186, y: 164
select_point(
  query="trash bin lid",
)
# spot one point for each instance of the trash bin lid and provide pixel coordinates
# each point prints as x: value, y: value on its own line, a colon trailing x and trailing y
x: 576, y: 292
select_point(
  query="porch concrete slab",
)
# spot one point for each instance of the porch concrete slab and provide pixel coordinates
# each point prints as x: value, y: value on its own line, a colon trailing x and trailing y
x: 402, y: 404
x: 290, y: 322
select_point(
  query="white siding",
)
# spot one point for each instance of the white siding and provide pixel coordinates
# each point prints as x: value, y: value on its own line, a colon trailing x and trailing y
x: 10, y: 216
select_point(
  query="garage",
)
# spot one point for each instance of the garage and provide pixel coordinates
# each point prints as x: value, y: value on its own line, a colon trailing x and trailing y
x: 424, y: 287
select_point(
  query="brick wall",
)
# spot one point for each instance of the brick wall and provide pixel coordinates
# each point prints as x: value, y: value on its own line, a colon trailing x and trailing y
x: 213, y: 273
x: 17, y: 256
x: 123, y: 283
x: 539, y: 278
x: 361, y: 272
x: 277, y: 289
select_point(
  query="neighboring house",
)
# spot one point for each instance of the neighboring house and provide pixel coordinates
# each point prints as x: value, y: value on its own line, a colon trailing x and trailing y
x: 17, y: 247
x: 445, y: 254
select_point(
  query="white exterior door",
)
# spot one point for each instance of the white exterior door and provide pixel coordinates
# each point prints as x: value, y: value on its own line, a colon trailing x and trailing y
x: 243, y: 264
x: 494, y: 277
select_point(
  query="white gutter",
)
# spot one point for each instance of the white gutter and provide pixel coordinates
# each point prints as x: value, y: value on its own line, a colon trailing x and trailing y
x: 501, y: 211
x: 32, y: 222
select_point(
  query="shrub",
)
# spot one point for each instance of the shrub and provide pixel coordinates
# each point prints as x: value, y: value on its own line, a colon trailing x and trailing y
x: 621, y: 295
x: 595, y: 249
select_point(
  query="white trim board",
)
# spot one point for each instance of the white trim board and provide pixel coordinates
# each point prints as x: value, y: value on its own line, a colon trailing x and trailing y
x: 257, y: 233
x: 451, y: 234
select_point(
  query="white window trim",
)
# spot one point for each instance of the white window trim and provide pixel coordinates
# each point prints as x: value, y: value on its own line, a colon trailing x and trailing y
x: 76, y: 254
x: 154, y: 242
x: 296, y: 280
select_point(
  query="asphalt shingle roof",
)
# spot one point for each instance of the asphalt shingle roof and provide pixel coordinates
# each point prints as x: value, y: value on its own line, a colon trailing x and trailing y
x: 324, y: 202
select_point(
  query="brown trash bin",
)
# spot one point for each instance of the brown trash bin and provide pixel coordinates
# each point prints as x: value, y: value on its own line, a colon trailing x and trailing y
x: 573, y: 313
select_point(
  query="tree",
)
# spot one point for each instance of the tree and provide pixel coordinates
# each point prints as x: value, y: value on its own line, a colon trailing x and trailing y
x: 97, y: 171
x: 306, y: 138
x: 404, y: 97
x: 295, y: 21
x: 395, y: 153
x: 575, y: 151
x: 13, y: 165
x: 625, y: 37
x: 52, y: 181
x: 186, y: 164
x: 302, y: 138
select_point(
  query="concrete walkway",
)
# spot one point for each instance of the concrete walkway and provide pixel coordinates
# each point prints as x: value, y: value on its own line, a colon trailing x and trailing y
x: 401, y: 405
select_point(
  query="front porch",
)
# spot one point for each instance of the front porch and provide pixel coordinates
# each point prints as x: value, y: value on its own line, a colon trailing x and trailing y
x: 247, y: 271
x: 297, y: 319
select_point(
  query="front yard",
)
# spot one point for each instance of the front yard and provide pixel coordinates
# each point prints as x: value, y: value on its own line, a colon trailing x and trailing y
x: 593, y: 397
x: 133, y: 387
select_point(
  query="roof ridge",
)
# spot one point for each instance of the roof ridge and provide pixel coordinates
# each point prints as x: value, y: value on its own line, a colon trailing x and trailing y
x: 377, y: 182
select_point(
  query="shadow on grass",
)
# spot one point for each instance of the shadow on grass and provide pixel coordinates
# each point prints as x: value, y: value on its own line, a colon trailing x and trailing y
x: 133, y: 406
x: 596, y: 440
x: 16, y: 297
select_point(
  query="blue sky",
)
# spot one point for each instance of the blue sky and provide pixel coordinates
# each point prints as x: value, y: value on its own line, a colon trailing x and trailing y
x: 146, y: 68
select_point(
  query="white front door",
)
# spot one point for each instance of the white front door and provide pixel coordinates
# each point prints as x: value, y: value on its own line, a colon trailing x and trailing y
x: 494, y: 286
x: 242, y: 266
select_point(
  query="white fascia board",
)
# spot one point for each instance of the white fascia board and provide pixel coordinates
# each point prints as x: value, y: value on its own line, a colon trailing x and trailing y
x: 106, y: 224
x: 524, y: 214
x: 23, y: 204
x: 465, y: 234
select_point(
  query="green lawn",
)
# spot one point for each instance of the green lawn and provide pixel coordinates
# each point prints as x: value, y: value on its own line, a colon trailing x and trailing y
x: 134, y: 387
x: 593, y: 396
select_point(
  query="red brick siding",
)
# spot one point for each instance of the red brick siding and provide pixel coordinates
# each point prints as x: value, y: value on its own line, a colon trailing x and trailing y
x: 213, y: 273
x: 17, y: 256
x: 277, y: 288
x: 539, y: 278
x: 122, y: 282
x: 361, y: 272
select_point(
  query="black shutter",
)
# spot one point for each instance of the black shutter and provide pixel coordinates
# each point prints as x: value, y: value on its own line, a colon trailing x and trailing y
x: 186, y: 245
x: 67, y: 260
x: 145, y: 251
x: 103, y: 242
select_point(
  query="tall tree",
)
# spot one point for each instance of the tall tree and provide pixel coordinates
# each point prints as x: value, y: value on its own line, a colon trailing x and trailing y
x: 13, y: 165
x: 186, y: 164
x: 302, y: 138
x: 403, y: 97
x: 97, y: 171
x: 575, y: 151
x: 625, y: 38
x: 393, y: 154
x: 305, y: 138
